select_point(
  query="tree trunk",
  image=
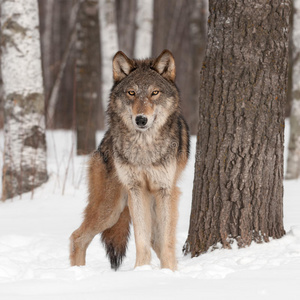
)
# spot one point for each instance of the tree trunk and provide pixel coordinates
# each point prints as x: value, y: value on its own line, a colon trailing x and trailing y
x: 198, y: 29
x: 289, y: 97
x: 109, y: 45
x: 55, y: 86
x: 126, y: 15
x: 87, y: 75
x: 144, y: 29
x: 56, y: 28
x: 293, y: 162
x: 24, y: 130
x: 46, y: 13
x: 238, y: 183
x: 180, y: 26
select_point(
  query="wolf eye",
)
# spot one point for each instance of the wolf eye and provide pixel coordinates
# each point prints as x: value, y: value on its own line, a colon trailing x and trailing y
x: 154, y: 93
x: 131, y: 93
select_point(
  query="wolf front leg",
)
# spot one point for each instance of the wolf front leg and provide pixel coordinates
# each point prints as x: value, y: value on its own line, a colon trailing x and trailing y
x: 140, y: 211
x: 166, y: 219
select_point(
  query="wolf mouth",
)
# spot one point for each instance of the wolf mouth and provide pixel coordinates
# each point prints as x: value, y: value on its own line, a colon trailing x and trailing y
x: 142, y: 128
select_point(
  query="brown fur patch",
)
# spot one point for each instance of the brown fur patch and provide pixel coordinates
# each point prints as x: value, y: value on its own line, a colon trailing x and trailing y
x: 144, y: 107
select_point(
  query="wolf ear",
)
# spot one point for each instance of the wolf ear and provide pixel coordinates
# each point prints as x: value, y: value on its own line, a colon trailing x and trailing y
x: 165, y: 65
x: 122, y: 66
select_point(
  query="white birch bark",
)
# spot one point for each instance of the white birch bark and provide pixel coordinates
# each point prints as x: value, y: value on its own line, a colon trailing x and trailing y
x: 293, y: 163
x: 24, y: 129
x: 109, y: 45
x: 144, y: 29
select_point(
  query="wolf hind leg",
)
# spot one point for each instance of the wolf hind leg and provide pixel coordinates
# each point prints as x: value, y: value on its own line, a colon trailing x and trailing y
x: 106, y: 202
x: 94, y: 223
x: 79, y: 241
x: 115, y: 239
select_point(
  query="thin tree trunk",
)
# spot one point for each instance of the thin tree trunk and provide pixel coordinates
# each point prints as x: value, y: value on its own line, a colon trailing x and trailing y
x: 1, y: 93
x: 24, y: 131
x: 54, y: 88
x: 62, y: 30
x: 144, y: 29
x: 87, y: 75
x: 198, y: 29
x: 238, y: 183
x: 46, y: 9
x: 180, y: 26
x: 293, y: 162
x: 53, y: 98
x: 109, y: 45
x: 289, y: 96
x: 56, y: 28
x: 126, y: 15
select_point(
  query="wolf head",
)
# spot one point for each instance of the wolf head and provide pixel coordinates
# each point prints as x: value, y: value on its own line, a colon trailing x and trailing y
x: 144, y: 93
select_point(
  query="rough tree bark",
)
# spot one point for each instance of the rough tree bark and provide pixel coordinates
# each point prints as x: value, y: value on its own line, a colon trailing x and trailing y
x: 87, y: 75
x: 238, y: 183
x: 293, y: 162
x: 144, y: 29
x: 24, y: 129
x: 109, y: 45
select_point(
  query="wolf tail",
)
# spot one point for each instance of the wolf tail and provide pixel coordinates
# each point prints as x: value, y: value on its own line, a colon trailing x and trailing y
x: 115, y: 239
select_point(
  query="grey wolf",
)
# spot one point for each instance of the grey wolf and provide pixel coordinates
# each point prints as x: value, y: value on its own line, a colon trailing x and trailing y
x: 132, y: 176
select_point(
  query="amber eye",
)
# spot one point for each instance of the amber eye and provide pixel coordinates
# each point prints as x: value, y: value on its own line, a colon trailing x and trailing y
x: 154, y: 93
x: 131, y: 93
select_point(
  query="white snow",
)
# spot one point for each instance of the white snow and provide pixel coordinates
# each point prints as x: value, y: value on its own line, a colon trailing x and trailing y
x: 34, y: 248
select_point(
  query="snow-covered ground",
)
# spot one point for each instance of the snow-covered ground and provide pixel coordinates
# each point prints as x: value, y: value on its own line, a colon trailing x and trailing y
x: 34, y: 246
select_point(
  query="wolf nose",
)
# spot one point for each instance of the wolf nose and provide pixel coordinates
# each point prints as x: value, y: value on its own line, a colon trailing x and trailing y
x: 141, y: 121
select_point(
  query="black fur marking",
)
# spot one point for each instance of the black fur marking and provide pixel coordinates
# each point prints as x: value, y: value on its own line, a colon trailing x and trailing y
x: 188, y: 137
x: 104, y: 156
x: 105, y: 153
x: 115, y: 254
x: 179, y: 124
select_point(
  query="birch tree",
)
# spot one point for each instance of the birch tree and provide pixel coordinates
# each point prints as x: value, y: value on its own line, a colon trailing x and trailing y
x: 24, y: 165
x: 293, y: 162
x: 238, y: 183
x: 109, y: 45
x: 144, y: 29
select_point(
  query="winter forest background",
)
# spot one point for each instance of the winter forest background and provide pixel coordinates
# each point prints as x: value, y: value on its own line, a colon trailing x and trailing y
x: 59, y: 52
x: 177, y: 25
